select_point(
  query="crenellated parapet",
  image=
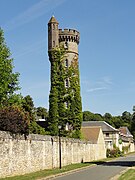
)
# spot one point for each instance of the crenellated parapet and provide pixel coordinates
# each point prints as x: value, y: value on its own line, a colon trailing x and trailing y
x: 69, y: 35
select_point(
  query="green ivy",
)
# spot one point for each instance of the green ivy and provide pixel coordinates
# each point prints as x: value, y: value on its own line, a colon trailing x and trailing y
x: 59, y: 94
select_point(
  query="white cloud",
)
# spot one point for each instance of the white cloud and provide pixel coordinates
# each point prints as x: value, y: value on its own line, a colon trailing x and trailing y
x: 96, y: 89
x: 106, y: 80
x: 34, y: 12
x: 104, y: 83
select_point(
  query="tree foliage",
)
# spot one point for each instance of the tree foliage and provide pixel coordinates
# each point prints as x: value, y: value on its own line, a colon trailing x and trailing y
x: 14, y: 119
x: 8, y: 79
x: 28, y: 106
x: 42, y: 112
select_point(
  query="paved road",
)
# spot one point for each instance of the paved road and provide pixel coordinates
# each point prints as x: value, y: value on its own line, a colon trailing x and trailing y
x: 103, y: 171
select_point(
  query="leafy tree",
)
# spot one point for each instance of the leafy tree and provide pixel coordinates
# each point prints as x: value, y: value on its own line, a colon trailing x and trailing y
x: 107, y: 116
x: 14, y: 119
x: 126, y: 117
x: 42, y: 112
x: 133, y: 125
x: 8, y: 79
x: 28, y: 106
x: 117, y: 122
x: 98, y: 117
x: 88, y: 116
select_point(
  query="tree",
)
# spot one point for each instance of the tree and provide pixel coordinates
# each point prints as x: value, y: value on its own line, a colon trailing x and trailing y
x: 133, y: 125
x: 42, y: 112
x: 98, y: 117
x: 14, y: 119
x: 126, y: 119
x: 28, y: 106
x: 107, y: 116
x: 88, y: 116
x: 8, y: 79
x: 117, y: 122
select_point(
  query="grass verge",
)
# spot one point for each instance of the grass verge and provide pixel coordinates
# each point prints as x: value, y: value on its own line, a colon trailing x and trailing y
x: 129, y: 175
x: 45, y: 173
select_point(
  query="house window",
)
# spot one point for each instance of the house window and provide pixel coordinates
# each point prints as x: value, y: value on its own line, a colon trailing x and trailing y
x: 66, y: 63
x: 107, y: 134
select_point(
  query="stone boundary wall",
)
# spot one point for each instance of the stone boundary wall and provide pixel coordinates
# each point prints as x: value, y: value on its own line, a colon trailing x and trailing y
x: 19, y: 155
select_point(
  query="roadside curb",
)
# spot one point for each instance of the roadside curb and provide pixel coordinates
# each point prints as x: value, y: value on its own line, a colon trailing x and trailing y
x: 66, y: 173
x: 118, y: 175
x: 83, y: 168
x: 121, y: 173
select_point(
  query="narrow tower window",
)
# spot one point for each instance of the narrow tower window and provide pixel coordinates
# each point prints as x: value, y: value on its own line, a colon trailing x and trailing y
x: 66, y: 45
x: 53, y: 43
x: 66, y: 63
x: 66, y: 104
x: 49, y: 27
x: 66, y: 83
x: 53, y: 26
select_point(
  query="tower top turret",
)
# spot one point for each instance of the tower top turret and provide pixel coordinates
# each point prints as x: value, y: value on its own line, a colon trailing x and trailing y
x: 53, y: 20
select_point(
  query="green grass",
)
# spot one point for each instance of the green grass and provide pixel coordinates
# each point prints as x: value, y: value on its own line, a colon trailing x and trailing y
x: 45, y: 173
x: 129, y: 175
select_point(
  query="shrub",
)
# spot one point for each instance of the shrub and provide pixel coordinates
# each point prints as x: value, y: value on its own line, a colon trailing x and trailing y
x: 14, y: 119
x: 34, y: 128
x: 115, y: 152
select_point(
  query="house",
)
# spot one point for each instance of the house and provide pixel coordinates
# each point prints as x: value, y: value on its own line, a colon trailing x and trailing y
x: 111, y: 135
x: 126, y: 139
x: 95, y: 136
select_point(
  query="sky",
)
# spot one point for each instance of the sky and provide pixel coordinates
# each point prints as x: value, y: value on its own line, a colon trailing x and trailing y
x: 106, y: 49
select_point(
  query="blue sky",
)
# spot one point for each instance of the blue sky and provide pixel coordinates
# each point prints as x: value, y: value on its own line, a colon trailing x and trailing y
x: 106, y: 49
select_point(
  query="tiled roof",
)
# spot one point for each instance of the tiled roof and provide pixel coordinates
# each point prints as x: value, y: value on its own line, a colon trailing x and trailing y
x: 125, y: 131
x: 105, y: 126
x: 91, y: 133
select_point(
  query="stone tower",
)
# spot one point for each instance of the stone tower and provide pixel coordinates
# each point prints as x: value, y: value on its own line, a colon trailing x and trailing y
x: 66, y: 98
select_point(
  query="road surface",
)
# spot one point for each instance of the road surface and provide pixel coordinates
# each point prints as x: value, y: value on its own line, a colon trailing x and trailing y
x: 103, y: 171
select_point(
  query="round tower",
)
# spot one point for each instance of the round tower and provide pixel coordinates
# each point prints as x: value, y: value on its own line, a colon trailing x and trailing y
x: 53, y: 33
x: 69, y: 38
x: 64, y: 100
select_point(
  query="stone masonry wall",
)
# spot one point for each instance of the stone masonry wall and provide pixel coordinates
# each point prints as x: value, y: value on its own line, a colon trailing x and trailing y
x: 37, y: 152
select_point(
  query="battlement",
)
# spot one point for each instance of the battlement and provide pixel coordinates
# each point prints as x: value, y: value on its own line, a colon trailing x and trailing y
x: 69, y: 35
